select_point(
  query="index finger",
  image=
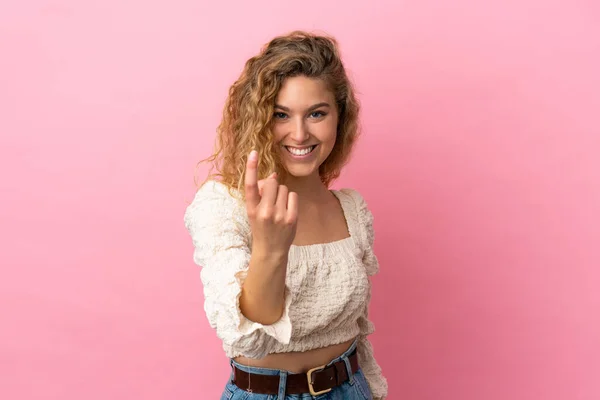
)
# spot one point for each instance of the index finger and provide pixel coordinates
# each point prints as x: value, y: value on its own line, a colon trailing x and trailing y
x: 251, y: 180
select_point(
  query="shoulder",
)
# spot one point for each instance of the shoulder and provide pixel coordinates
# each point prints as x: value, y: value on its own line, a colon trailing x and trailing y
x: 216, y: 190
x: 357, y: 200
x: 214, y: 193
x: 360, y: 212
x: 213, y: 203
x: 353, y: 193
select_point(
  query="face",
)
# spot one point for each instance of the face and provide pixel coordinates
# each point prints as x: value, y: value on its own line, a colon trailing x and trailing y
x: 305, y: 125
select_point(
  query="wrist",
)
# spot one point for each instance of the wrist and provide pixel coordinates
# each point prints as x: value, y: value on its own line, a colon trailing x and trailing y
x: 271, y: 257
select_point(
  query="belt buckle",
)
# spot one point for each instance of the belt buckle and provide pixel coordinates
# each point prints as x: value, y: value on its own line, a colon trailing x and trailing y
x: 311, y: 389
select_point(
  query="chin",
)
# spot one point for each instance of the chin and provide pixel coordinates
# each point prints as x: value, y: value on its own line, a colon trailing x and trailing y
x: 299, y: 171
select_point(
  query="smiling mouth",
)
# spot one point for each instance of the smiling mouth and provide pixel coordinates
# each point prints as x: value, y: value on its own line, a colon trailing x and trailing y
x: 300, y: 151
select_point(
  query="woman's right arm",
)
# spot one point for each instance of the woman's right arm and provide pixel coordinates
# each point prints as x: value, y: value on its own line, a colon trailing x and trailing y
x: 272, y: 213
x: 243, y: 255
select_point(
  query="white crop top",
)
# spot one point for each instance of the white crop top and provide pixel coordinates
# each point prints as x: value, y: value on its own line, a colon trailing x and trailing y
x: 327, y: 290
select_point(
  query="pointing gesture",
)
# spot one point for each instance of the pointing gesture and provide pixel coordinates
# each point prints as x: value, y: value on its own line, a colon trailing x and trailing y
x: 272, y: 211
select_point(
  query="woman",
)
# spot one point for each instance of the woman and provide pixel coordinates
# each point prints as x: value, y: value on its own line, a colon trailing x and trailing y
x: 286, y: 261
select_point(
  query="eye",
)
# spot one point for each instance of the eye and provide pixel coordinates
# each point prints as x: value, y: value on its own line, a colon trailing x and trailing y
x: 280, y: 115
x: 317, y: 114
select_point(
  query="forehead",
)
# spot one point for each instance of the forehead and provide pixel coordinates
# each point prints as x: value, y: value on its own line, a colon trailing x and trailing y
x: 300, y: 91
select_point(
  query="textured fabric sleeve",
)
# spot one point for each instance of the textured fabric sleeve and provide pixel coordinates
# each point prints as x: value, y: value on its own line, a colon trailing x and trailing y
x: 366, y: 358
x: 377, y: 382
x: 220, y: 232
x: 365, y: 219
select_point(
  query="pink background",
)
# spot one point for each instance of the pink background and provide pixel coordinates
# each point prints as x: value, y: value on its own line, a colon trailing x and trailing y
x: 479, y: 160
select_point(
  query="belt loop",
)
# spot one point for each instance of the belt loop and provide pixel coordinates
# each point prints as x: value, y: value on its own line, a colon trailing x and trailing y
x: 349, y: 370
x: 282, y: 385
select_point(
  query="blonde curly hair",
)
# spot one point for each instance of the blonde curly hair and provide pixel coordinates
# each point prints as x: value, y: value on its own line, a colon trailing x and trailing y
x: 248, y: 112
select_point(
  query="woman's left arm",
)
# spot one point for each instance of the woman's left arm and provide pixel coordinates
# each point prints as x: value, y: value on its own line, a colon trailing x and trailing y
x: 366, y: 358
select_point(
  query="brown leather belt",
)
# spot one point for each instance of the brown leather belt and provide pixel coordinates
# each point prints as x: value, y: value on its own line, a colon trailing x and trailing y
x: 316, y: 381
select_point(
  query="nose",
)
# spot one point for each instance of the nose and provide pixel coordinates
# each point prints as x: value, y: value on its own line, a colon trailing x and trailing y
x: 300, y: 131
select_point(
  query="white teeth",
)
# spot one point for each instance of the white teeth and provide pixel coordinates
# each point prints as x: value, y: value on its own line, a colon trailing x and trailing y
x: 300, y: 152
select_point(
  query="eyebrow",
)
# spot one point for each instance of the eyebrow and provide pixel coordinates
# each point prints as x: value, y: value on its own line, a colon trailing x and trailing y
x: 313, y: 107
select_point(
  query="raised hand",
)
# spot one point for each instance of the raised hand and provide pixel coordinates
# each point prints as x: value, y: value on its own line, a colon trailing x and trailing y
x: 272, y: 211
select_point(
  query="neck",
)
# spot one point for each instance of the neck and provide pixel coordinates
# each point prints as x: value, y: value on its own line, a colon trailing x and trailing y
x: 309, y: 188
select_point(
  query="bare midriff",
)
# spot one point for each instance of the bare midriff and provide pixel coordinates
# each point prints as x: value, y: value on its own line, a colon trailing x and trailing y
x: 298, y: 362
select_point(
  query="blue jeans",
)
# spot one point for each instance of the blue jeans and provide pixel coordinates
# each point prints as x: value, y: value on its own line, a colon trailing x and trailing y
x: 355, y: 388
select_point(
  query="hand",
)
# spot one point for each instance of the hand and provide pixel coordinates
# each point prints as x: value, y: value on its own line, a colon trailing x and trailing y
x: 272, y: 211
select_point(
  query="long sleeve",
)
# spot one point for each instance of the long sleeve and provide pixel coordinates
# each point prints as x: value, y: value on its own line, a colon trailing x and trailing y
x: 366, y: 358
x: 377, y: 382
x: 220, y: 232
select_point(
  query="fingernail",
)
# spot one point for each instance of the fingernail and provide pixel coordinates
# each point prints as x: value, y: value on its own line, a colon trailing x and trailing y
x: 253, y: 155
